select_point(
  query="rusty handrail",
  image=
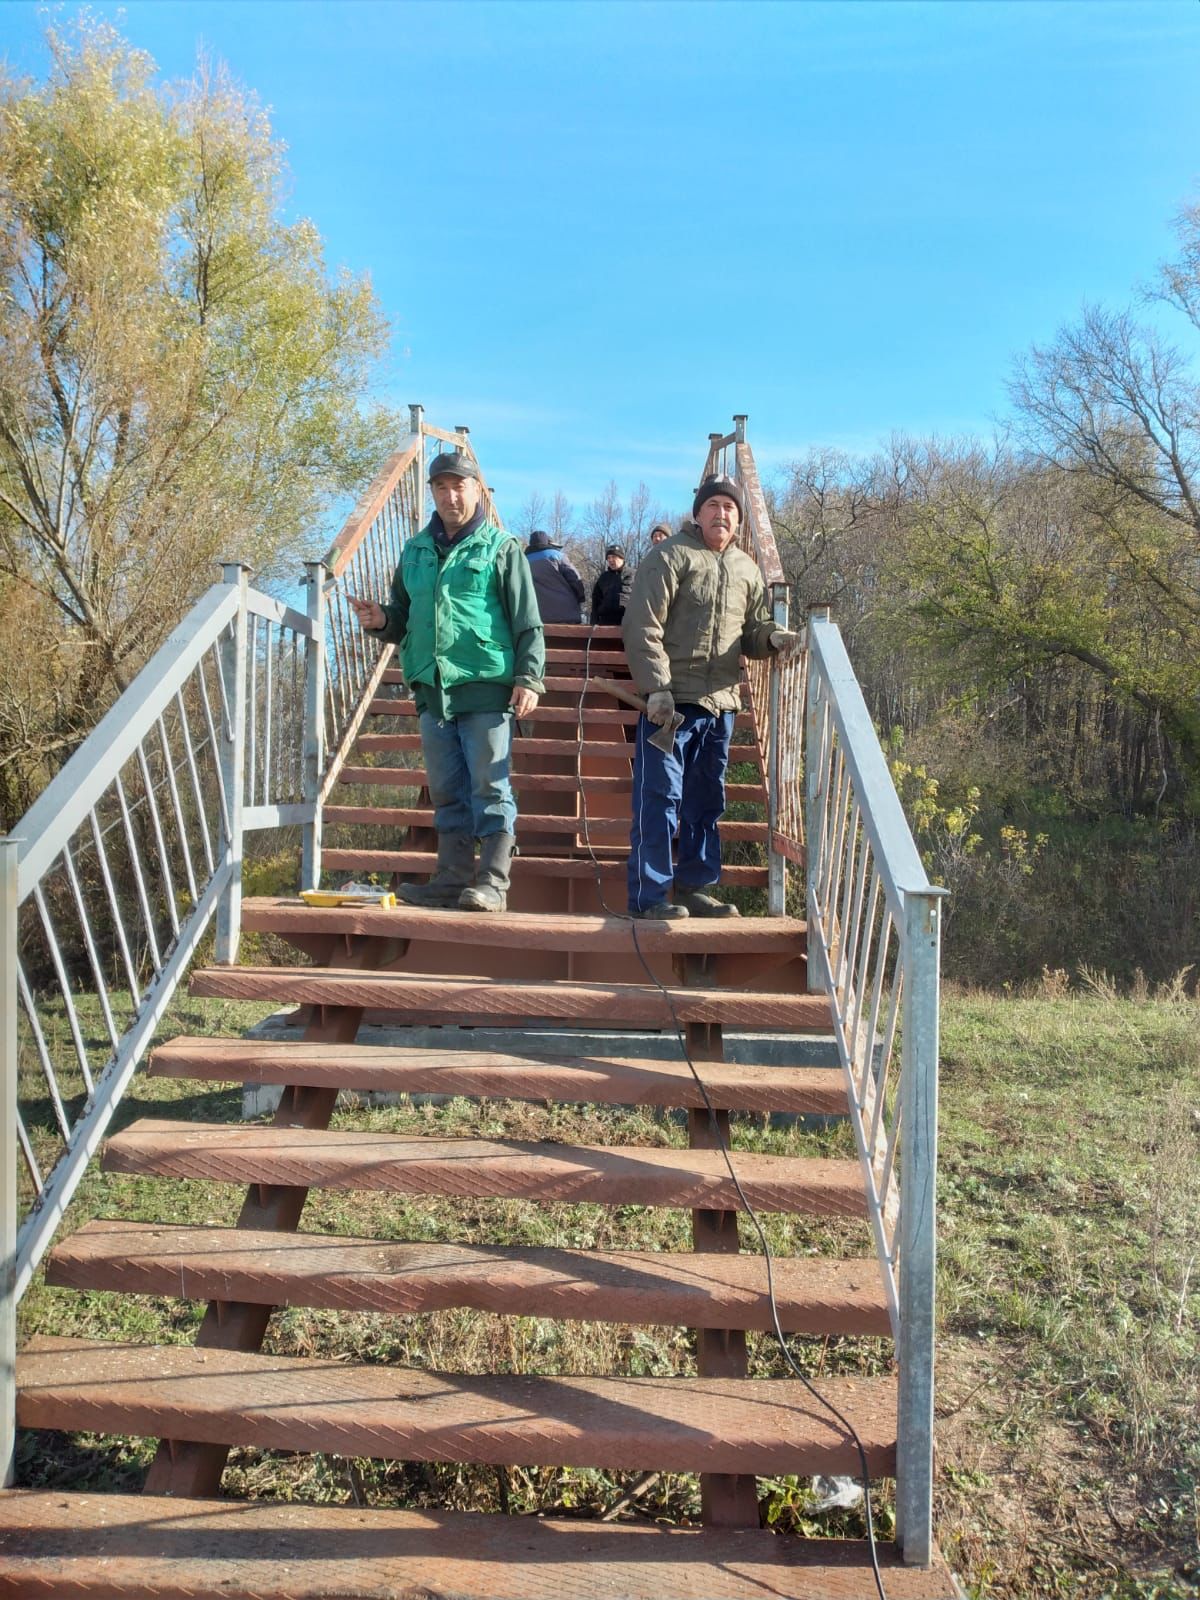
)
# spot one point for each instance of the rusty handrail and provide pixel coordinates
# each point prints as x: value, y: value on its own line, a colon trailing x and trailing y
x: 358, y: 523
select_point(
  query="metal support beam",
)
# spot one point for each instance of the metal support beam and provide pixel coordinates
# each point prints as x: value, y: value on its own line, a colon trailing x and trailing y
x: 776, y: 863
x: 814, y: 733
x: 233, y: 764
x: 9, y: 1153
x: 315, y: 574
x: 918, y: 1234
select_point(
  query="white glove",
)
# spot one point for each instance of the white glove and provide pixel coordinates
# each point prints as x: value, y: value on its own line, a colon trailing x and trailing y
x: 660, y: 707
x: 786, y: 644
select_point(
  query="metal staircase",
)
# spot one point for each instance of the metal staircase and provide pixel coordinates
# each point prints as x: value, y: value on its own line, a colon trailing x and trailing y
x: 551, y: 1002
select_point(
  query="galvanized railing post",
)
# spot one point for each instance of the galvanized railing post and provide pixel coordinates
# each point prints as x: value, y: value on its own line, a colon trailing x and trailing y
x: 314, y: 725
x: 233, y: 764
x: 917, y: 1255
x: 416, y: 415
x: 9, y: 851
x: 776, y: 861
x: 814, y: 717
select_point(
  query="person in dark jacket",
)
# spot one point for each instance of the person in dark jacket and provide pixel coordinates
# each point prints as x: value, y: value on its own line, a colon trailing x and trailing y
x: 610, y: 592
x: 560, y: 590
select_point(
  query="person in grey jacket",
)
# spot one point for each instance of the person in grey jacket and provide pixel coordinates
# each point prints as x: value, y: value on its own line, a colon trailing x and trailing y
x: 698, y: 606
x: 560, y: 590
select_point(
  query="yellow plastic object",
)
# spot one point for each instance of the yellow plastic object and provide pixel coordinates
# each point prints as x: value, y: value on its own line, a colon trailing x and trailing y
x: 383, y: 898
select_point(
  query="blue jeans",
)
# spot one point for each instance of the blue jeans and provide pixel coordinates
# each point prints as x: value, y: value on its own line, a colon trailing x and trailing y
x: 684, y: 791
x: 467, y: 760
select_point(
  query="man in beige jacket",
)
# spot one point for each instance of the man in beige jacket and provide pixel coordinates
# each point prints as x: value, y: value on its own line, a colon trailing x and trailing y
x: 698, y: 606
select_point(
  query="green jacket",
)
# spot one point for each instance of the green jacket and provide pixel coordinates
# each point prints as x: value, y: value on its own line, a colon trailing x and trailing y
x: 465, y: 619
x: 691, y: 617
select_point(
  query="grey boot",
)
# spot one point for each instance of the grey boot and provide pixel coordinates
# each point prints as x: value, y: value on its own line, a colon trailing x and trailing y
x: 455, y: 869
x: 490, y: 892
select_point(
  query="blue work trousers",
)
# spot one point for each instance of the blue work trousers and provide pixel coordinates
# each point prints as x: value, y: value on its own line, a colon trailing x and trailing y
x: 467, y: 760
x: 681, y: 794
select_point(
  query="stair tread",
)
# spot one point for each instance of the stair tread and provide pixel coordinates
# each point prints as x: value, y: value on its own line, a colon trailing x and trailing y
x: 471, y: 997
x: 598, y: 747
x: 693, y: 1424
x: 813, y: 1294
x: 355, y: 1159
x: 74, y: 1546
x: 533, y: 930
x: 389, y: 706
x: 607, y: 1080
x: 549, y: 782
x: 527, y: 822
x: 416, y: 862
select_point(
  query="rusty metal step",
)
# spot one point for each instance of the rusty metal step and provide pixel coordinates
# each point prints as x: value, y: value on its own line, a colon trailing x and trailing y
x: 593, y: 749
x: 413, y: 863
x: 546, y: 782
x: 605, y: 1080
x: 814, y: 1295
x: 354, y: 1159
x: 387, y: 706
x: 533, y: 930
x: 609, y: 828
x: 107, y: 1547
x: 728, y: 1425
x: 467, y: 1000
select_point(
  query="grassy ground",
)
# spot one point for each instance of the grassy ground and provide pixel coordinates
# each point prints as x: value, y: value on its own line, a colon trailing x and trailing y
x: 1069, y: 1449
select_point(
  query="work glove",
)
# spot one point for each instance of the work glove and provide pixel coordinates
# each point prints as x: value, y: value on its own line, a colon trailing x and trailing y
x: 660, y: 707
x: 786, y: 644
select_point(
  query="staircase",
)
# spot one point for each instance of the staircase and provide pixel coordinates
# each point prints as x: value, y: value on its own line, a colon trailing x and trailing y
x: 558, y: 1001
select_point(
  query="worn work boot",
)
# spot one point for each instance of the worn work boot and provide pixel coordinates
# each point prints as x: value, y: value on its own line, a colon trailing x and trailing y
x: 660, y: 911
x: 490, y: 890
x: 699, y: 904
x: 455, y: 869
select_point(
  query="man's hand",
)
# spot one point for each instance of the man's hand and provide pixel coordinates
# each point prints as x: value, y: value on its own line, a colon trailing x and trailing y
x: 522, y: 702
x: 660, y: 707
x: 369, y: 614
x: 786, y: 644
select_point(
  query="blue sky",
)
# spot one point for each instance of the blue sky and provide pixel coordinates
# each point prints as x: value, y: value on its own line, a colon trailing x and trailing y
x: 599, y: 229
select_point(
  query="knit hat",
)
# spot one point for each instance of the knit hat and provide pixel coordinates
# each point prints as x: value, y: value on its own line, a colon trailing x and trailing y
x: 538, y: 540
x: 616, y: 550
x: 661, y: 527
x: 720, y: 484
x: 453, y: 464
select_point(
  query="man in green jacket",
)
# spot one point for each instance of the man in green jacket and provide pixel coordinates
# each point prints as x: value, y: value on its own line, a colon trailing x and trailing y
x: 464, y: 615
x: 698, y: 606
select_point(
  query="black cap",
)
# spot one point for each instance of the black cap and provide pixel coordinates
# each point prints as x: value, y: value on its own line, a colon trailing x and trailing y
x: 616, y: 550
x: 453, y: 464
x: 720, y: 484
x: 538, y: 540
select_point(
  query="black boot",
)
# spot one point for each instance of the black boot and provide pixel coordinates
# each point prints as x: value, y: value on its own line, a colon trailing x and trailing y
x: 490, y: 890
x: 699, y: 903
x: 455, y: 869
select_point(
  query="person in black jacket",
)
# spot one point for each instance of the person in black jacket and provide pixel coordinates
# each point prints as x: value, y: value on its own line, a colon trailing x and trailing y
x: 560, y: 590
x: 610, y: 593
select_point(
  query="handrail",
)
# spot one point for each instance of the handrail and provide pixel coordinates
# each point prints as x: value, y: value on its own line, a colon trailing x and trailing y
x: 123, y: 862
x: 873, y: 946
x: 358, y: 523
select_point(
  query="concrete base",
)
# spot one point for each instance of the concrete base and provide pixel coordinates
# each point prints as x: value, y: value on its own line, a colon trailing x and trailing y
x: 759, y: 1049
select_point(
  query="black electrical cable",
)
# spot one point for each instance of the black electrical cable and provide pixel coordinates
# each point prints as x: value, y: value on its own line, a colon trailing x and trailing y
x: 715, y: 1127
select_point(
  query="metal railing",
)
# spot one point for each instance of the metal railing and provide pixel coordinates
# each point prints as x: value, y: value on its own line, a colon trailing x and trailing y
x: 239, y: 723
x: 874, y: 923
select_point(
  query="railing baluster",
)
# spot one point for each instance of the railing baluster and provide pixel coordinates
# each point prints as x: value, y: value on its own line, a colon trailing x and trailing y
x: 45, y: 1059
x: 85, y: 923
x: 194, y: 774
x: 164, y: 859
x: 180, y: 826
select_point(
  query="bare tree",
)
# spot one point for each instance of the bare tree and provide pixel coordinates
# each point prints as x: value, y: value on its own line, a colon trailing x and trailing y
x: 531, y: 515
